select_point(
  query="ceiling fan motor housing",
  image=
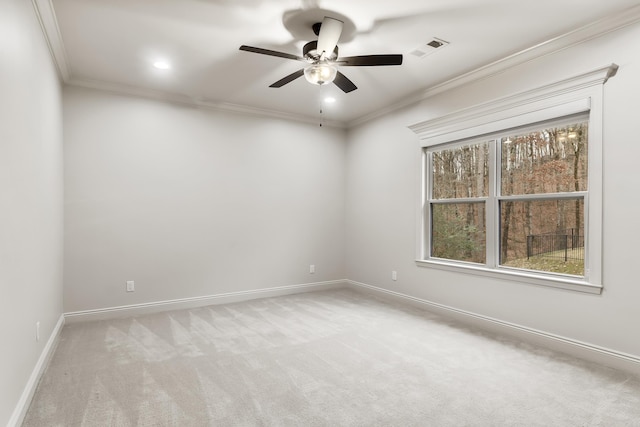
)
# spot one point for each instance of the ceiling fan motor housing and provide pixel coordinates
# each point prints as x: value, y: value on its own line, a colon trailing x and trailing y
x: 310, y: 51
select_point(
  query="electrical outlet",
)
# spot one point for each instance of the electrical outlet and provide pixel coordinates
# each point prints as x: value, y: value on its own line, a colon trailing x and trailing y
x: 312, y: 269
x: 131, y: 286
x: 38, y: 330
x: 394, y: 275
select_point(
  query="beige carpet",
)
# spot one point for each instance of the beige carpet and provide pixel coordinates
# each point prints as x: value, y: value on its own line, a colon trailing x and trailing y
x: 335, y: 358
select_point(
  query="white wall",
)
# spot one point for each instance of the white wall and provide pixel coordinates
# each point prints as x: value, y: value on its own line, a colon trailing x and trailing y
x: 30, y: 198
x: 190, y: 202
x: 383, y: 186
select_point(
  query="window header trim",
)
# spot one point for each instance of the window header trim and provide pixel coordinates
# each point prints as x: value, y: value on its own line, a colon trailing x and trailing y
x: 562, y: 98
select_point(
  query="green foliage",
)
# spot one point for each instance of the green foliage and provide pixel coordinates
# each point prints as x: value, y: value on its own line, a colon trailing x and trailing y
x: 454, y: 238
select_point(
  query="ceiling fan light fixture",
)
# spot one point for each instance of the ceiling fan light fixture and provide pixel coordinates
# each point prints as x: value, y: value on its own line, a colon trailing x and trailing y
x: 321, y: 73
x: 161, y: 65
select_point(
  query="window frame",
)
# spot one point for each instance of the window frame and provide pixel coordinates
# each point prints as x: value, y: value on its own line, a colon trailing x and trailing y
x: 582, y: 94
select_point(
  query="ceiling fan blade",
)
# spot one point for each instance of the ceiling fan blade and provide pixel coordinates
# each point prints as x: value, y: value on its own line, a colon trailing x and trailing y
x: 291, y: 77
x: 344, y: 83
x: 330, y: 32
x: 370, y: 60
x: 271, y: 52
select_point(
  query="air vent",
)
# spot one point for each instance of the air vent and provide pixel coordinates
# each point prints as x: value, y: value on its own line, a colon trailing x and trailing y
x: 429, y: 47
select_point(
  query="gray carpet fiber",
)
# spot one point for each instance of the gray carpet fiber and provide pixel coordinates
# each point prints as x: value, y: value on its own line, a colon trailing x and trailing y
x: 334, y: 358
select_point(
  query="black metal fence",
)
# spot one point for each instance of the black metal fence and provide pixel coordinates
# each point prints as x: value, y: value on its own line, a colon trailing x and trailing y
x: 564, y: 244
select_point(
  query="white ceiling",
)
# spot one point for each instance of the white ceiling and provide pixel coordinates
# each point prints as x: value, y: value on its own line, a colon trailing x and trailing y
x: 113, y: 44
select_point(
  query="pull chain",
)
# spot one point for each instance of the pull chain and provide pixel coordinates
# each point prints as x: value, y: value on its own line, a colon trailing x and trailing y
x: 321, y: 100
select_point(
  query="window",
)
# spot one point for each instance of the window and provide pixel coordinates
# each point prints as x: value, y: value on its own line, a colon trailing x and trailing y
x: 459, y: 188
x: 540, y: 177
x: 513, y: 189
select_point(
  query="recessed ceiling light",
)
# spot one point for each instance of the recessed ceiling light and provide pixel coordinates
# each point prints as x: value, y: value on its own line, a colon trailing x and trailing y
x: 329, y: 100
x: 162, y: 65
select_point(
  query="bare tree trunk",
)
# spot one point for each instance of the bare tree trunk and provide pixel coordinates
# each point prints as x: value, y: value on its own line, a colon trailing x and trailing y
x: 504, y: 244
x: 576, y: 184
x: 480, y: 182
x: 506, y: 221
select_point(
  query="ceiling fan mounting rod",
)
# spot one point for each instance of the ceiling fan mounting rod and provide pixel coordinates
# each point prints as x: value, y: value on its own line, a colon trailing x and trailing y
x: 316, y: 28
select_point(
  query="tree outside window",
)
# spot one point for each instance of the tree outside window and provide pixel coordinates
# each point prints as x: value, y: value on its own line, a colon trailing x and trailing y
x: 531, y: 184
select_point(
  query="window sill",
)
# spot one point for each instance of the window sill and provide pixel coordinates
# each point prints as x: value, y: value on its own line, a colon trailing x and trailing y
x: 540, y: 279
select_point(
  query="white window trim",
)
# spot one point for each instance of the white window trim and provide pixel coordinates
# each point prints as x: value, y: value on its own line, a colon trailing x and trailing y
x: 579, y: 94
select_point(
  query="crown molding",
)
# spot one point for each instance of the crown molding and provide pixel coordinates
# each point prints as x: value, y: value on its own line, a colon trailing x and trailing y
x: 47, y: 19
x: 49, y: 24
x: 46, y: 16
x: 220, y: 106
x: 572, y: 38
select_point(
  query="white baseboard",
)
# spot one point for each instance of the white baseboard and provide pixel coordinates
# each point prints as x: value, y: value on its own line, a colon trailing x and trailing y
x: 586, y: 351
x: 27, y: 394
x: 194, y: 302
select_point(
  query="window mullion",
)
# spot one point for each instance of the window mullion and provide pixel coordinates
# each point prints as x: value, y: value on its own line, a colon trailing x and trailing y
x: 427, y: 183
x: 492, y: 219
x: 460, y: 200
x: 543, y: 196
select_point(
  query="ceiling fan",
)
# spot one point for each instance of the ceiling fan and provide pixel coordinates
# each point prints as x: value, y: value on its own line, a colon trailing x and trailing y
x: 322, y: 57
